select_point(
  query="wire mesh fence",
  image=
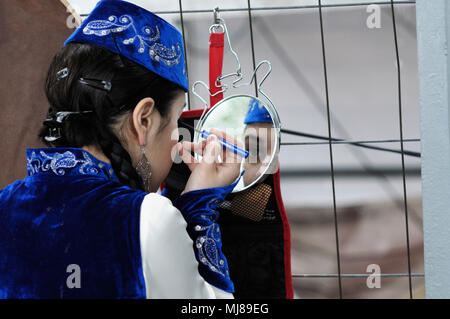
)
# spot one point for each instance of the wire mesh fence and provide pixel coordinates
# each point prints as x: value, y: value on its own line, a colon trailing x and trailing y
x: 185, y: 14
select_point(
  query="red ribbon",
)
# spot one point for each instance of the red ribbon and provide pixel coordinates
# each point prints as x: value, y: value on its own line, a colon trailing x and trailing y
x: 216, y: 41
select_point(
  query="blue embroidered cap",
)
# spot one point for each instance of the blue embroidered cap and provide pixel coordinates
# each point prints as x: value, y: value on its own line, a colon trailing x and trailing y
x: 138, y: 35
x: 257, y: 113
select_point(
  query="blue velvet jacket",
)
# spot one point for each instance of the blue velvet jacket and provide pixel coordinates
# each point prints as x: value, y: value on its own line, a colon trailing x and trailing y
x: 70, y: 210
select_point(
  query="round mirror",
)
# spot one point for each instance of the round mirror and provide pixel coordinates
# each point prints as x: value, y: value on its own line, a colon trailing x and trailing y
x: 255, y: 125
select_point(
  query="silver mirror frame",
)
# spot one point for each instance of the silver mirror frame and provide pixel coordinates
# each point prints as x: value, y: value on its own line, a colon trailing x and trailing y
x: 276, y: 125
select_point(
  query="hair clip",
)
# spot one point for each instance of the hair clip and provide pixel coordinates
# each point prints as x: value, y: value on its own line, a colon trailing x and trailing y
x: 54, y: 134
x: 55, y: 124
x: 97, y: 84
x: 54, y: 129
x: 60, y: 116
x: 62, y: 74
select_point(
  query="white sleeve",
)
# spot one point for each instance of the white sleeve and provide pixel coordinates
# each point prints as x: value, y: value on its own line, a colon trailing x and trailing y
x: 168, y: 260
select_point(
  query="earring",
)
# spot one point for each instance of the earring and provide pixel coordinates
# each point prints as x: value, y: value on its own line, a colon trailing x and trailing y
x: 144, y: 170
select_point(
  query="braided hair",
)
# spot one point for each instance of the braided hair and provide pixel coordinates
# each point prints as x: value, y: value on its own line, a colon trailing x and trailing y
x: 130, y: 83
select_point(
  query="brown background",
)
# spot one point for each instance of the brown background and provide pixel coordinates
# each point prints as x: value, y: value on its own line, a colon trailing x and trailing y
x: 31, y: 33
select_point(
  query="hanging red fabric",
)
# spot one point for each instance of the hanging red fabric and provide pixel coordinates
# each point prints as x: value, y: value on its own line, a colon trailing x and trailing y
x: 216, y: 42
x: 279, y: 246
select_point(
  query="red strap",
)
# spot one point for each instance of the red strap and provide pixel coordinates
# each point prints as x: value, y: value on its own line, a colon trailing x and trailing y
x: 216, y: 41
x: 286, y: 234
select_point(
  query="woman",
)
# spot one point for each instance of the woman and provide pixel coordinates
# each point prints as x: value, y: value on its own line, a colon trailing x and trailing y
x: 87, y: 222
x: 259, y: 137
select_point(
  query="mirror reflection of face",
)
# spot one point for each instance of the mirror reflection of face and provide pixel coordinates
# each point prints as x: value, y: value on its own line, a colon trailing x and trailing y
x: 259, y: 142
x: 247, y: 119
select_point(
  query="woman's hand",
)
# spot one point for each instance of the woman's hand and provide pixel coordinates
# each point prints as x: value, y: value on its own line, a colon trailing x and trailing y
x: 217, y: 167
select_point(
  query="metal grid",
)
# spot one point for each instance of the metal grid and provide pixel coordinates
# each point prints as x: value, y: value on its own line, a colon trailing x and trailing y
x: 382, y: 174
x: 332, y: 141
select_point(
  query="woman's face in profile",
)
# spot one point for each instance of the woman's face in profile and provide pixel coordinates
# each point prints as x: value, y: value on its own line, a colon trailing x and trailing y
x: 258, y: 142
x: 159, y: 152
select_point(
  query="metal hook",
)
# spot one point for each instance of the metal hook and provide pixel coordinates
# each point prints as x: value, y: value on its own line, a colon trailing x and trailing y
x: 258, y: 85
x: 216, y: 15
x: 217, y: 24
x: 205, y: 104
x: 238, y: 72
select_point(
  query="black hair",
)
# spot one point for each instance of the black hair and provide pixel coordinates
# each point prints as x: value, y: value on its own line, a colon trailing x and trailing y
x: 131, y: 83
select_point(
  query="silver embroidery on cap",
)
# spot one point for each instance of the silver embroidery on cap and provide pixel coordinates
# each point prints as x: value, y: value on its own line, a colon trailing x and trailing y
x: 157, y: 51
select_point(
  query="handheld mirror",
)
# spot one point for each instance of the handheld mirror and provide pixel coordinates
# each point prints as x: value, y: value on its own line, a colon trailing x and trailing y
x: 255, y: 125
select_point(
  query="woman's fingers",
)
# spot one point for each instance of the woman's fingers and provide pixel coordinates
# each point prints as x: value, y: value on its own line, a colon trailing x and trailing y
x: 185, y: 148
x: 229, y: 156
x: 229, y: 167
x: 230, y: 138
x: 194, y: 147
x: 213, y: 150
x: 186, y: 156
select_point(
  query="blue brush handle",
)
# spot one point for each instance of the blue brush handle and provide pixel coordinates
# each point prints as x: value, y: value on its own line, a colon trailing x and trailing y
x: 229, y: 146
